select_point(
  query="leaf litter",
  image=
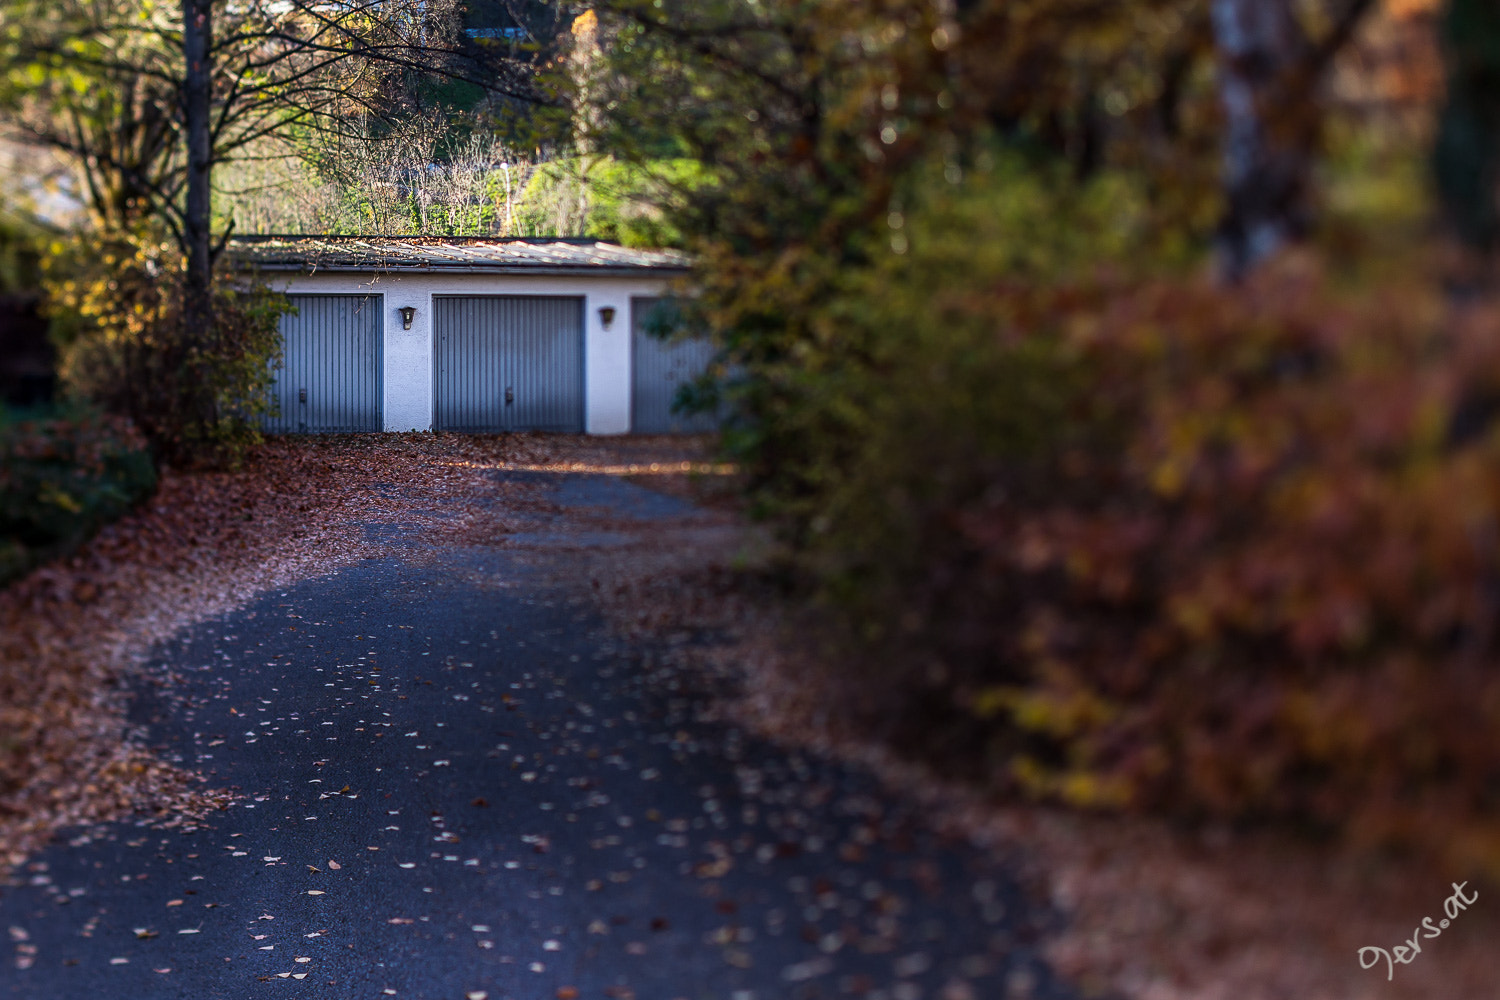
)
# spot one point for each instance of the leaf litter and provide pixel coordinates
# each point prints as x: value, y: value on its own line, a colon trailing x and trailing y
x: 74, y: 632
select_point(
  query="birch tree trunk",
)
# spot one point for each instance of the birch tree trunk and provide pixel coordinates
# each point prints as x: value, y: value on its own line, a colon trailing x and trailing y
x: 1269, y: 130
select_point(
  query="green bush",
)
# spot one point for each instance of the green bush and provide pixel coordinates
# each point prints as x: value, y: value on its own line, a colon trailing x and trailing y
x: 898, y: 395
x: 64, y: 473
x: 841, y: 357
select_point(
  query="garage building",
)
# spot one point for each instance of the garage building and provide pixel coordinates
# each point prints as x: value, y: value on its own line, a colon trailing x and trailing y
x: 473, y: 334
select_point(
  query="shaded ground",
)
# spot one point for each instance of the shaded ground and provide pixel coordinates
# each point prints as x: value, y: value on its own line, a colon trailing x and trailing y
x: 454, y: 778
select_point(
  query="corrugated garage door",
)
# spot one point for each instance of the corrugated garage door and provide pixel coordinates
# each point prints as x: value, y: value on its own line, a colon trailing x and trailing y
x: 508, y: 363
x: 658, y: 369
x: 330, y: 378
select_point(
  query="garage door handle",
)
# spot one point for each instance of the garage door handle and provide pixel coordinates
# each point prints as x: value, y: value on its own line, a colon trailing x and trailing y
x: 510, y: 395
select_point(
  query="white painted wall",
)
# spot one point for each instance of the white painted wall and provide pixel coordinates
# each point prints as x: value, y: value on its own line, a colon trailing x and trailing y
x: 408, y: 354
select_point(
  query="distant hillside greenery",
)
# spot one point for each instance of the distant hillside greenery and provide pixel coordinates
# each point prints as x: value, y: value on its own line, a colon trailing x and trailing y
x: 417, y: 184
x: 609, y: 199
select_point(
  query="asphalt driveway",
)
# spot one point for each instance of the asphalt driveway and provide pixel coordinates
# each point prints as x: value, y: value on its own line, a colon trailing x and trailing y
x: 455, y: 782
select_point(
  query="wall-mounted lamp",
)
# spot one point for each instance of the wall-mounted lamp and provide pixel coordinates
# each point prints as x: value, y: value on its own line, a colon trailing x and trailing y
x: 407, y: 312
x: 607, y: 316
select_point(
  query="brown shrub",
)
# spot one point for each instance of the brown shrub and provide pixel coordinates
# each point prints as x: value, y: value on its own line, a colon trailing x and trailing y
x: 1266, y: 582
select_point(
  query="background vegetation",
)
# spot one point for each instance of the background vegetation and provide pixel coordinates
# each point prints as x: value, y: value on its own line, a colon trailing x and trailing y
x: 1120, y: 375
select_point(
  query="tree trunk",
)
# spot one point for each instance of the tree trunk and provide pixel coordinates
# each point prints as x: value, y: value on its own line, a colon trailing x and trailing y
x: 197, y: 107
x: 1270, y: 129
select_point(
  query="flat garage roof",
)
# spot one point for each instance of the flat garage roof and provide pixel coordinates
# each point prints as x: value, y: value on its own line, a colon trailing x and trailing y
x: 539, y: 255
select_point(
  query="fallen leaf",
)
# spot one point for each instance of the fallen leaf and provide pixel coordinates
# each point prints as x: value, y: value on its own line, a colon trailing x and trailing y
x: 316, y: 892
x: 334, y: 865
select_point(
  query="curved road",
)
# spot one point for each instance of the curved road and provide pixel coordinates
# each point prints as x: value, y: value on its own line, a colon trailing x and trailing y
x: 456, y: 784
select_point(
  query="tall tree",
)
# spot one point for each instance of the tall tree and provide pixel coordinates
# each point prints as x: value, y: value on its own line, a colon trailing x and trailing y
x: 98, y: 86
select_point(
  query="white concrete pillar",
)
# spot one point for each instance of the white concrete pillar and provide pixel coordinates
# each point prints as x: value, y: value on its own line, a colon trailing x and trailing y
x: 408, y: 356
x: 606, y: 365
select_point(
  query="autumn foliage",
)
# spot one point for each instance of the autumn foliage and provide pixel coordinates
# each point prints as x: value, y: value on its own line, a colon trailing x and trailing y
x: 1255, y: 572
x: 1100, y: 528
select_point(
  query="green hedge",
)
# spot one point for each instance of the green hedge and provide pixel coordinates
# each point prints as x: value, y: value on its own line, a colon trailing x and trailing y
x: 64, y: 473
